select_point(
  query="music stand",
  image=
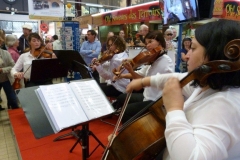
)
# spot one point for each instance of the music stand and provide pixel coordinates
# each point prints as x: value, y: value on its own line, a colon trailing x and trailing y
x: 72, y: 61
x: 68, y: 56
x: 43, y: 69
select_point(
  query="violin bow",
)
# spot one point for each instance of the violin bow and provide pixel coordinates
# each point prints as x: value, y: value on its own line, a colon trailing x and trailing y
x: 118, y: 123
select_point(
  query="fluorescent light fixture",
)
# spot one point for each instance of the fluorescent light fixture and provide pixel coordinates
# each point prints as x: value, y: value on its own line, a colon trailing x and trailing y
x: 93, y: 5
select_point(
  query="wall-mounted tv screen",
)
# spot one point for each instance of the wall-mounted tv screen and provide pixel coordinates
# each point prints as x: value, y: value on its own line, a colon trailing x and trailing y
x: 177, y: 11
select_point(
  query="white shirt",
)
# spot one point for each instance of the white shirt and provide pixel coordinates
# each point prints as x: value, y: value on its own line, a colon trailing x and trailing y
x: 162, y: 65
x: 23, y: 62
x: 115, y: 62
x: 207, y: 128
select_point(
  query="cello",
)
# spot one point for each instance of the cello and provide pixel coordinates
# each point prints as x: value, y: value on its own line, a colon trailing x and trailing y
x: 38, y: 53
x: 143, y: 138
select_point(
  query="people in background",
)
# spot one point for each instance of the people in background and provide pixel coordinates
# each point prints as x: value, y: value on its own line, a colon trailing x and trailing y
x: 122, y: 34
x: 23, y: 40
x: 3, y: 34
x: 22, y: 68
x: 186, y: 46
x: 117, y: 46
x: 170, y: 44
x: 56, y: 43
x: 206, y: 124
x: 104, y: 46
x: 91, y: 49
x: 160, y: 63
x: 12, y: 43
x: 6, y: 64
x: 143, y: 31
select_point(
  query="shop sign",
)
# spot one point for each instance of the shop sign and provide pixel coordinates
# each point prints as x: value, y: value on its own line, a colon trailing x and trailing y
x: 230, y: 9
x: 146, y: 12
x: 218, y: 7
x: 84, y: 21
x: 46, y: 10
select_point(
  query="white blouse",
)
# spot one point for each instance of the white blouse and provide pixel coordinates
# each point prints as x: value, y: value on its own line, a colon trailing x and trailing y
x: 207, y: 128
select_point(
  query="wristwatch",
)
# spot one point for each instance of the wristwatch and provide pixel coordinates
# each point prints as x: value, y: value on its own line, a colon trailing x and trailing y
x: 10, y: 1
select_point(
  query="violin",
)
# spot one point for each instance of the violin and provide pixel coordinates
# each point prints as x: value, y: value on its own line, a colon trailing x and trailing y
x: 106, y: 56
x: 42, y: 52
x: 145, y: 57
x: 143, y: 138
x: 39, y: 52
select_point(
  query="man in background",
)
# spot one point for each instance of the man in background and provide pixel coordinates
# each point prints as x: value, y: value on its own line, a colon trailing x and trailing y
x: 91, y: 49
x: 143, y: 31
x: 23, y: 42
x: 56, y: 43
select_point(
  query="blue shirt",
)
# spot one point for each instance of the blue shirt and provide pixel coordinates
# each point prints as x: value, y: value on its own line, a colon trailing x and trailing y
x: 90, y: 50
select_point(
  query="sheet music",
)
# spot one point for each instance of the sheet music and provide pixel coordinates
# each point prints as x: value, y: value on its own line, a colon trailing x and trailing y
x: 62, y: 105
x: 91, y: 98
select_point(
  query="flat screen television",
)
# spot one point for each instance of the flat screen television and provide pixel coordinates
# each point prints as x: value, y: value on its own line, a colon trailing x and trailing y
x: 178, y: 11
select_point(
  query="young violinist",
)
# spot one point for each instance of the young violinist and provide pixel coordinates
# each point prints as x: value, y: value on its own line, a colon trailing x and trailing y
x: 206, y: 125
x: 117, y: 46
x: 161, y: 64
x: 22, y: 68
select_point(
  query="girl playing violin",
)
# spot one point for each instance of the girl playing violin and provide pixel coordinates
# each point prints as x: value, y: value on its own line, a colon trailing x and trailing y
x: 160, y: 65
x: 25, y: 61
x: 117, y: 46
x: 206, y: 125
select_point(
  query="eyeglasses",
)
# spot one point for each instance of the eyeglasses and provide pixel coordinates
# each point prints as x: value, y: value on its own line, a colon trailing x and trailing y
x: 169, y: 34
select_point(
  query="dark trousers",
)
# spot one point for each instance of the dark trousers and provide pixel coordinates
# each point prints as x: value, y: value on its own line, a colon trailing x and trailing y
x: 133, y: 108
x: 109, y: 90
x: 135, y: 97
x: 95, y: 75
x: 10, y: 94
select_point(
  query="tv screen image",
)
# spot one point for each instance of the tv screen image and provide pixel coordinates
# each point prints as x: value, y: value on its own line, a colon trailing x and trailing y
x: 177, y: 11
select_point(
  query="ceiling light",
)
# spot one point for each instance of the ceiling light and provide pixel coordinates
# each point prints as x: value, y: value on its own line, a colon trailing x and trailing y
x: 93, y: 5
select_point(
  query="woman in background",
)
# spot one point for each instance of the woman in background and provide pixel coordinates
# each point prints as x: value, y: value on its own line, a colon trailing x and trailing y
x: 12, y: 43
x: 6, y: 64
x: 186, y: 46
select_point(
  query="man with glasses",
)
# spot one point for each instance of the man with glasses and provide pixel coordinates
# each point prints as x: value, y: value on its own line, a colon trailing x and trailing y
x: 91, y: 49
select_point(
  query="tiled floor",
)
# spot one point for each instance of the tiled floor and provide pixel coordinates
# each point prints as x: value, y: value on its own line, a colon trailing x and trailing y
x: 8, y: 145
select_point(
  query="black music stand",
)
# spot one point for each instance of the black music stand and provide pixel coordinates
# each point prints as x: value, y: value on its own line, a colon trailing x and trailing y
x: 41, y: 126
x: 73, y: 61
x: 43, y: 69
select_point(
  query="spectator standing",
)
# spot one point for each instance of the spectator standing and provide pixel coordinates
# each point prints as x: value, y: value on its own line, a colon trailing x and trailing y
x: 186, y: 46
x: 6, y: 64
x: 56, y: 43
x: 12, y: 43
x: 23, y: 40
x: 91, y: 49
x: 143, y: 31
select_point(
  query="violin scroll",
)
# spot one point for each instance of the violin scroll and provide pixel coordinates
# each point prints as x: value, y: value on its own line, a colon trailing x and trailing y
x: 232, y: 49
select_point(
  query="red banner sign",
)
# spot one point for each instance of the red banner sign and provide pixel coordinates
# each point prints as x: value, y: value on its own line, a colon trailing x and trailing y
x: 230, y: 9
x: 139, y: 13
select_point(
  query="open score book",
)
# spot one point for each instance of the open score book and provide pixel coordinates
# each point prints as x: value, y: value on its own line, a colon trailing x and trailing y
x: 69, y: 104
